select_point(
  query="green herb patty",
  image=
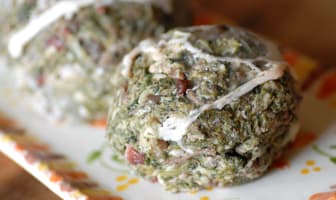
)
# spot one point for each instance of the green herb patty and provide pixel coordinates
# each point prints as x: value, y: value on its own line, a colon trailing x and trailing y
x: 203, y: 106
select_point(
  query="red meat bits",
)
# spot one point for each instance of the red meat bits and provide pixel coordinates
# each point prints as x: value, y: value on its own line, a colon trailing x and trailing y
x: 56, y: 42
x: 182, y: 86
x: 133, y: 156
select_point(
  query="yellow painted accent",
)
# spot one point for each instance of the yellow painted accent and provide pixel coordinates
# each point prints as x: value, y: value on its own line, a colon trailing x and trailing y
x: 121, y: 188
x: 95, y: 191
x: 133, y: 181
x: 77, y: 194
x: 24, y: 139
x: 5, y: 138
x: 310, y: 162
x: 317, y: 169
x: 209, y: 188
x: 193, y: 192
x: 205, y: 198
x: 42, y: 167
x: 62, y: 165
x: 121, y: 178
x: 304, y: 171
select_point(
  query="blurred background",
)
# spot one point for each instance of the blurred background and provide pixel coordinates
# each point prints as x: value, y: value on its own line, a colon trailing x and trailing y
x: 305, y: 25
x: 308, y: 26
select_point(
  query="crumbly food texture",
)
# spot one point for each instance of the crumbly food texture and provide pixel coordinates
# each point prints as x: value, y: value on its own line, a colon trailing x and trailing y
x: 67, y: 71
x: 179, y: 73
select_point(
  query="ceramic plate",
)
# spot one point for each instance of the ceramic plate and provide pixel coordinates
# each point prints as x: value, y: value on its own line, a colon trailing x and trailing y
x: 57, y: 155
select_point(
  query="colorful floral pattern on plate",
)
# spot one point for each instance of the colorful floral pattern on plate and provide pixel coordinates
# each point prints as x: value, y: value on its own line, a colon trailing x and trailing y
x: 54, y: 170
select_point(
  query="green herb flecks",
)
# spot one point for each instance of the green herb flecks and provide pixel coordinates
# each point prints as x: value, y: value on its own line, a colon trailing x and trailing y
x: 177, y: 74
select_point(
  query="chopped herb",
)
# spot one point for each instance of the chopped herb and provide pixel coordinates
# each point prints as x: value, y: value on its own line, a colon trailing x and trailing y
x: 117, y: 159
x: 93, y: 156
x: 320, y: 151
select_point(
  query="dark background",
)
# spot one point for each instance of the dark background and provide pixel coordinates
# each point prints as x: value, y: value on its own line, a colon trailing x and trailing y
x: 306, y: 25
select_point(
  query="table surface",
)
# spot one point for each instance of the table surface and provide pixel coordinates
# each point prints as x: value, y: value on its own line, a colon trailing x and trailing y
x: 306, y: 25
x: 16, y: 184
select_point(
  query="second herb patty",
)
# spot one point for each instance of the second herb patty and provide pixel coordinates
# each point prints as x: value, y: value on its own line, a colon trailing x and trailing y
x: 67, y: 69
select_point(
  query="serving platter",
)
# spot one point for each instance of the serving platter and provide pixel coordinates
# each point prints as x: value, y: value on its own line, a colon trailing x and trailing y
x: 59, y: 155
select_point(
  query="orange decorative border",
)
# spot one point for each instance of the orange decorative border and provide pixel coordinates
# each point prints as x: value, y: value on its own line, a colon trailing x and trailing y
x: 54, y: 170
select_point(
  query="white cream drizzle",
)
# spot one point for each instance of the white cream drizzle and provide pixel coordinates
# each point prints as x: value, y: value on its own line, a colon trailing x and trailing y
x: 148, y: 47
x: 21, y: 38
x: 61, y: 9
x: 197, y: 53
x: 174, y: 128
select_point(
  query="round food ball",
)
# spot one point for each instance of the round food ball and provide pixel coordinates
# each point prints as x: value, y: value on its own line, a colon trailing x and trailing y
x: 203, y: 106
x: 66, y: 70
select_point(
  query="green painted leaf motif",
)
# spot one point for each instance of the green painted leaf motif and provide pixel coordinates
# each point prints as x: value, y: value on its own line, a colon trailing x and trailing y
x: 320, y: 151
x: 117, y: 159
x: 93, y: 156
x: 333, y: 159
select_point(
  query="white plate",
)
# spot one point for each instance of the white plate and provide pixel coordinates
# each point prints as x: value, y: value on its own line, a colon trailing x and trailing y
x: 299, y: 175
